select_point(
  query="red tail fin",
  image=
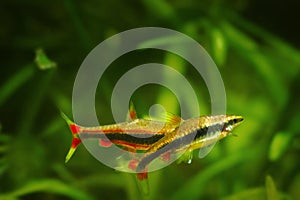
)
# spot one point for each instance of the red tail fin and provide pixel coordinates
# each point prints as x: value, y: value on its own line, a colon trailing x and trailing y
x: 76, y: 140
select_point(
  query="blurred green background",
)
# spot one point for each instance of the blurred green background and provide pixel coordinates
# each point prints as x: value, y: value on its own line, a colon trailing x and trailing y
x: 254, y: 44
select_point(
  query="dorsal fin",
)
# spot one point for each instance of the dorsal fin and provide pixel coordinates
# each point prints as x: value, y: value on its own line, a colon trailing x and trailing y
x: 173, y: 119
x: 168, y: 118
x: 131, y: 116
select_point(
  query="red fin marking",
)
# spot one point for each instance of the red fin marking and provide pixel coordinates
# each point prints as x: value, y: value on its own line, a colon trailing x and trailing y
x: 74, y: 128
x: 132, y: 112
x: 75, y: 142
x: 133, y: 115
x: 142, y: 175
x: 105, y: 143
x: 133, y: 164
x: 166, y: 157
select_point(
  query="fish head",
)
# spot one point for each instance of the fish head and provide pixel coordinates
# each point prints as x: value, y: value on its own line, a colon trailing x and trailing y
x: 231, y: 122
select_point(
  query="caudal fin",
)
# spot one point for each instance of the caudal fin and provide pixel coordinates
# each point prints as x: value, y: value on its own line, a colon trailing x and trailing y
x: 76, y: 140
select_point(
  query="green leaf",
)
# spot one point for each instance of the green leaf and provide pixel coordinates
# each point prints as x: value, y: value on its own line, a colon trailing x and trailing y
x: 247, y: 48
x: 15, y: 82
x: 271, y: 189
x: 42, y: 61
x: 249, y: 194
x: 219, y: 46
x: 193, y: 188
x: 279, y: 145
x: 161, y: 8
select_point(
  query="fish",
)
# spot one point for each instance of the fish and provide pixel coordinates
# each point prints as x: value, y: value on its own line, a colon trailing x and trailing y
x: 191, y: 134
x: 156, y: 139
x: 133, y: 135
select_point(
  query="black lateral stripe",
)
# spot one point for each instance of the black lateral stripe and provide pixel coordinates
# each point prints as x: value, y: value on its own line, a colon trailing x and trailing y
x: 141, y: 138
x: 137, y: 139
x: 180, y: 142
x: 207, y: 131
x: 194, y: 135
x: 165, y: 148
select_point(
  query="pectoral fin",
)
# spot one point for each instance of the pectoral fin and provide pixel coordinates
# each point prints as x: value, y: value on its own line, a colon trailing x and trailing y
x: 186, y: 157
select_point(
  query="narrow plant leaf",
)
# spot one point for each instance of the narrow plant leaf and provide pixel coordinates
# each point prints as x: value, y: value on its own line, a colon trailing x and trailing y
x: 219, y: 46
x: 47, y: 186
x: 271, y: 189
x: 15, y: 82
x: 249, y: 194
x: 194, y: 187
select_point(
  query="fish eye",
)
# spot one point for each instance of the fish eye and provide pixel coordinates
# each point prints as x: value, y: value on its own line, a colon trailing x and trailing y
x: 236, y: 120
